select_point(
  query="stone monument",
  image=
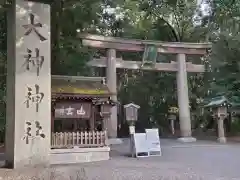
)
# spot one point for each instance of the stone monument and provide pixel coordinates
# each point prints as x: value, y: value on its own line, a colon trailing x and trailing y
x: 28, y: 85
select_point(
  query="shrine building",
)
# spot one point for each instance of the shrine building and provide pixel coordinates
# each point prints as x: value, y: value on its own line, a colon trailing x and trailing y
x: 81, y: 109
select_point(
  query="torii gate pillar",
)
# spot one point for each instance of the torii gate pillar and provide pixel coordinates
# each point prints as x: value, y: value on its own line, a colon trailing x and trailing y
x: 111, y: 73
x: 183, y: 100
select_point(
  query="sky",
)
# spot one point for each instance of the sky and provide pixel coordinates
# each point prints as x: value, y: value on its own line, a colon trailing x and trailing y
x: 205, y: 8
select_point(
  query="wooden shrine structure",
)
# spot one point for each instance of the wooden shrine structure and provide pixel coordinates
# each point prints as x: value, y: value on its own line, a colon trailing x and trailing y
x: 181, y: 49
x: 80, y: 104
x: 81, y: 108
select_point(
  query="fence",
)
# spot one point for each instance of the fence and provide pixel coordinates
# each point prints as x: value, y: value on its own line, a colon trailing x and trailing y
x: 79, y: 139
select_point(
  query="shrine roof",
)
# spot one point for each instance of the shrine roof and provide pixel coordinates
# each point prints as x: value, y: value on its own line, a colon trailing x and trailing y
x: 222, y: 100
x: 79, y: 86
x: 217, y: 101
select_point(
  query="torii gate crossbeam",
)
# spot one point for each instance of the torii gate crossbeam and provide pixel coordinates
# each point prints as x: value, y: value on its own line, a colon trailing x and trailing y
x: 124, y: 64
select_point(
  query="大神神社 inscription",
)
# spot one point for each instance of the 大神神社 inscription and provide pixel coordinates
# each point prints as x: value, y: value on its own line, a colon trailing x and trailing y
x: 33, y: 27
x: 34, y: 97
x: 36, y: 61
x: 28, y: 133
x: 39, y: 131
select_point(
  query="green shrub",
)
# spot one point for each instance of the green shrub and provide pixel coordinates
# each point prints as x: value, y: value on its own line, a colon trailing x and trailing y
x: 235, y: 126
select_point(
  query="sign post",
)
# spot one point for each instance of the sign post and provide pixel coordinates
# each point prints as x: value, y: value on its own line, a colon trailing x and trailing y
x: 131, y: 113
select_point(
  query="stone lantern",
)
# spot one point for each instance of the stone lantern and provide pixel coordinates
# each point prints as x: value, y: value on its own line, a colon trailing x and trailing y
x: 219, y: 107
x: 105, y: 110
x: 220, y: 112
x: 172, y: 116
x: 131, y: 115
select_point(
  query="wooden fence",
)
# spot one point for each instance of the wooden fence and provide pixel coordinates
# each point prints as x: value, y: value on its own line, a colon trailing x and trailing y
x: 79, y: 139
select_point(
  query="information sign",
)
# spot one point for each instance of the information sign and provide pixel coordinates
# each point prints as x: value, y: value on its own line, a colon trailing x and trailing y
x: 140, y: 145
x: 153, y: 140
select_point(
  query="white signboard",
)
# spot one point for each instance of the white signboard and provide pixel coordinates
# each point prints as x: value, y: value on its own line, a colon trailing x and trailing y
x: 153, y: 141
x: 140, y: 144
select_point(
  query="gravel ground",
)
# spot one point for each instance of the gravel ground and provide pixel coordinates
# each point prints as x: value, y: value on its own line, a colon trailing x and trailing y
x: 197, y: 161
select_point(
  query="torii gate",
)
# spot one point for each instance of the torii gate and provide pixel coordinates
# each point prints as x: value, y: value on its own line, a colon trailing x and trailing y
x: 181, y: 67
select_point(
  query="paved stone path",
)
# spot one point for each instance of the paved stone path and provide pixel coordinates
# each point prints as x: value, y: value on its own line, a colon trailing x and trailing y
x: 197, y: 161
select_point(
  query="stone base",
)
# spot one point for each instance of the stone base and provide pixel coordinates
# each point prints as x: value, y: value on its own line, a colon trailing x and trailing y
x: 114, y: 141
x: 222, y: 140
x: 187, y: 139
x: 78, y: 155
